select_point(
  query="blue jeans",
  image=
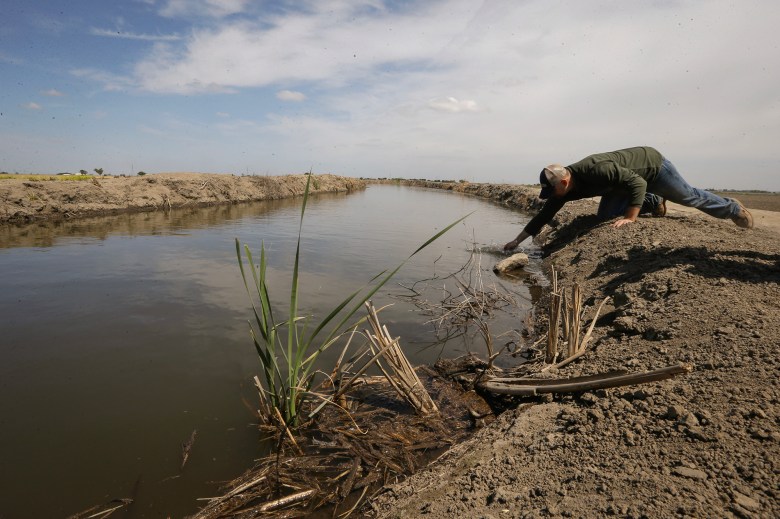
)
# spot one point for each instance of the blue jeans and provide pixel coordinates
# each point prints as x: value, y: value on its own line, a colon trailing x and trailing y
x: 615, y: 204
x: 670, y: 185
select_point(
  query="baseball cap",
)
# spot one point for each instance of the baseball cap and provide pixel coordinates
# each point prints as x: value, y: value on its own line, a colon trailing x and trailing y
x: 548, y: 178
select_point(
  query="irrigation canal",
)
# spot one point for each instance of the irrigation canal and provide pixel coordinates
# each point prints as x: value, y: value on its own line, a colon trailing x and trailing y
x: 121, y: 335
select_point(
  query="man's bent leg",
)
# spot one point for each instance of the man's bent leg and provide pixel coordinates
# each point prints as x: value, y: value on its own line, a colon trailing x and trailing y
x: 673, y: 187
x: 652, y: 204
x: 612, y: 205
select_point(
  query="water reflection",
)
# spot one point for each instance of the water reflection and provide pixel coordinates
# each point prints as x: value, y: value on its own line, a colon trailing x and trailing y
x: 179, y: 220
x: 120, y: 335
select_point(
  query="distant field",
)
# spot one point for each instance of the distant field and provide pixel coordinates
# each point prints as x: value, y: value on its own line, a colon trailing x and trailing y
x: 44, y: 178
x: 752, y: 200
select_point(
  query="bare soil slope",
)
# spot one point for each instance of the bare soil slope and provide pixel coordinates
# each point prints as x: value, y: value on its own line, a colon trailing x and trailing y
x: 23, y: 200
x: 685, y: 288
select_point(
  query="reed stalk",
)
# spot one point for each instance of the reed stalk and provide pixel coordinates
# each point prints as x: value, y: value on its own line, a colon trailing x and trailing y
x: 288, y: 365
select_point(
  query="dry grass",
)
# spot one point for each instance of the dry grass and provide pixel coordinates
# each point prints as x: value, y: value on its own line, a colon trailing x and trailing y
x: 47, y: 178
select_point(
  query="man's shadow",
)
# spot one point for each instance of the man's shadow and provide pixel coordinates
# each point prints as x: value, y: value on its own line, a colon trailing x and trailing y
x: 565, y: 234
x: 739, y: 265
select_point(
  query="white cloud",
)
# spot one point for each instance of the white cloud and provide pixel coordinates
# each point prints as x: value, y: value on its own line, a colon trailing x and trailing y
x: 223, y: 114
x: 539, y: 82
x: 32, y: 106
x: 334, y: 46
x: 289, y: 95
x: 133, y: 36
x: 52, y: 92
x: 452, y: 105
x: 213, y: 8
x: 111, y: 82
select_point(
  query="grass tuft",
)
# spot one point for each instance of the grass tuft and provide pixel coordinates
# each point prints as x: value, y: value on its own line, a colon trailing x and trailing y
x: 288, y: 349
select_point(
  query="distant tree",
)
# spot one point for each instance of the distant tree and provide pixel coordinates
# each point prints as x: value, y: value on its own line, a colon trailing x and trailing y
x: 99, y: 171
x: 141, y: 173
x: 83, y: 172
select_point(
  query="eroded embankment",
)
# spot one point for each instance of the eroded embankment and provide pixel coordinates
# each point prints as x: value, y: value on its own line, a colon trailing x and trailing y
x: 23, y: 201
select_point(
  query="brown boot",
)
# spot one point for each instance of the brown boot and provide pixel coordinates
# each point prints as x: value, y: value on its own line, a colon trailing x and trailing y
x: 660, y: 209
x: 743, y: 219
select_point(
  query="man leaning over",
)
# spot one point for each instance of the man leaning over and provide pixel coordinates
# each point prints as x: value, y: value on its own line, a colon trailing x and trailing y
x: 629, y: 181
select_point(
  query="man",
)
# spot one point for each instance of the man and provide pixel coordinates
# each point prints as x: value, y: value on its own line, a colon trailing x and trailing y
x: 629, y: 181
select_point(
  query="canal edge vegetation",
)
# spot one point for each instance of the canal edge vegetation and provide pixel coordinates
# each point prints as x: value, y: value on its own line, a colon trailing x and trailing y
x: 304, y: 478
x: 288, y: 370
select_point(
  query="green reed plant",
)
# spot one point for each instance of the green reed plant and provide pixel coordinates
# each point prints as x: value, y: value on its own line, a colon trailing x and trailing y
x: 288, y: 359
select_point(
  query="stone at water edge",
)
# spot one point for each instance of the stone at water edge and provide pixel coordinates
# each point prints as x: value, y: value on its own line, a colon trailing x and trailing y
x: 513, y: 262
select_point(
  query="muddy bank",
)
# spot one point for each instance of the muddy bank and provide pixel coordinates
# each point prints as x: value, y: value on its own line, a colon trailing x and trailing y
x: 684, y: 288
x: 24, y: 201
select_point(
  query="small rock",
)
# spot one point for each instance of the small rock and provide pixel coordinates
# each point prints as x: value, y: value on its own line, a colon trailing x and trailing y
x: 513, y: 262
x: 642, y: 394
x: 675, y: 411
x: 502, y: 495
x: 760, y: 434
x: 697, y: 434
x: 689, y: 420
x: 595, y: 415
x: 746, y: 502
x: 757, y: 413
x: 688, y: 472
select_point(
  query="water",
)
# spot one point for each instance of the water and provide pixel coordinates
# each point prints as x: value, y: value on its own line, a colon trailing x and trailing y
x: 122, y: 335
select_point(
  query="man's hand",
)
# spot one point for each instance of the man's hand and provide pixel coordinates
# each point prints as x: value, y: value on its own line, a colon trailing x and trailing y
x: 629, y: 217
x: 622, y: 222
x: 517, y: 241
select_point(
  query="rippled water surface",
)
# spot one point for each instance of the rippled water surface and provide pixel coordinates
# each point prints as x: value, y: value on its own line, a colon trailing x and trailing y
x: 122, y: 335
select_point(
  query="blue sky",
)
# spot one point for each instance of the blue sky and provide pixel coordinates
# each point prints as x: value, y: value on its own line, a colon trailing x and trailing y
x: 483, y: 91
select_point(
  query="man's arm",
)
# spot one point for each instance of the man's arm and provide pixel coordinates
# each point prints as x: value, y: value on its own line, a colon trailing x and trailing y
x: 611, y: 173
x: 630, y: 216
x: 550, y: 208
x: 517, y: 241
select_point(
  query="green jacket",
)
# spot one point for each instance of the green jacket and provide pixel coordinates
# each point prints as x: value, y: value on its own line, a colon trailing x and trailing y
x: 627, y: 172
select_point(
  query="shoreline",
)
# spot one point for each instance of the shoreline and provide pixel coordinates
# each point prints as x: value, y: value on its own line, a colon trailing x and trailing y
x: 686, y: 288
x: 25, y: 201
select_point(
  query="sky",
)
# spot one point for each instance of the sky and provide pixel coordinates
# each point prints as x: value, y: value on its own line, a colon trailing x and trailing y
x: 440, y: 89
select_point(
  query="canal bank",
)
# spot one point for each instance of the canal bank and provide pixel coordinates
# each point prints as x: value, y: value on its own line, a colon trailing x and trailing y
x: 26, y: 200
x: 685, y: 288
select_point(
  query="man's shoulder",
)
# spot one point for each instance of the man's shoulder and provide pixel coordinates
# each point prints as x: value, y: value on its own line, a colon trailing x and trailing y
x: 634, y: 156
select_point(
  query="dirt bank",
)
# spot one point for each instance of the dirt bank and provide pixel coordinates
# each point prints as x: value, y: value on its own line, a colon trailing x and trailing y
x: 24, y: 200
x: 686, y: 288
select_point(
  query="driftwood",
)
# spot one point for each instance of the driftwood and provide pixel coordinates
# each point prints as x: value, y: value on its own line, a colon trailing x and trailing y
x: 104, y: 510
x: 186, y: 448
x: 536, y: 386
x: 285, y: 501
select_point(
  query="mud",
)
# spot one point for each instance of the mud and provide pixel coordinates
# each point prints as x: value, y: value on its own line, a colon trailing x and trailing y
x: 685, y: 288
